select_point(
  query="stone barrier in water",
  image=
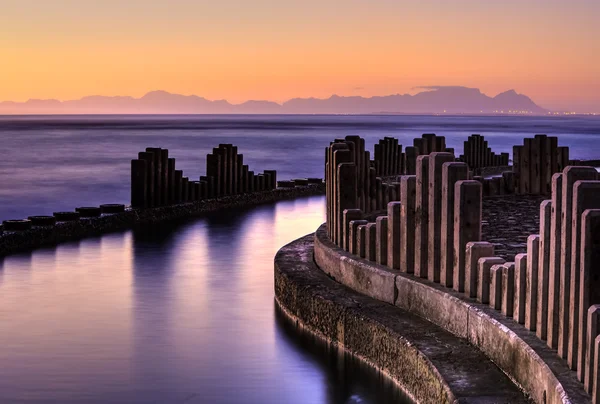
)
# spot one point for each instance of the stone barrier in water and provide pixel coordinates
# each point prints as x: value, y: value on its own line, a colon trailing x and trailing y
x: 155, y: 181
x: 551, y: 288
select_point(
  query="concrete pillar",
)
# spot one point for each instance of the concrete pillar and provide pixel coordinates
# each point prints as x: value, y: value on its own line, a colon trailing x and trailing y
x: 520, y: 288
x: 536, y: 174
x: 508, y: 288
x: 373, y: 189
x: 589, y: 291
x: 381, y: 240
x: 213, y: 169
x: 251, y: 187
x: 571, y: 175
x: 178, y: 186
x: 185, y: 189
x: 562, y: 156
x: 378, y: 193
x: 344, y: 192
x: 586, y: 195
x: 509, y: 182
x: 234, y: 169
x: 348, y: 216
x: 164, y: 174
x: 410, y: 154
x: 371, y: 242
x: 451, y: 174
x: 592, y: 331
x: 552, y: 165
x: 526, y: 167
x: 353, y: 227
x: 543, y: 269
x: 139, y: 177
x: 484, y: 267
x: 517, y: 151
x: 377, y: 157
x: 273, y: 174
x: 393, y: 249
x: 408, y: 185
x: 466, y: 228
x: 171, y: 175
x: 496, y: 286
x: 421, y: 216
x: 596, y: 365
x: 157, y: 158
x: 150, y: 170
x: 361, y: 241
x: 474, y: 251
x: 554, y: 268
x: 436, y: 162
x: 531, y: 287
x: 203, y: 189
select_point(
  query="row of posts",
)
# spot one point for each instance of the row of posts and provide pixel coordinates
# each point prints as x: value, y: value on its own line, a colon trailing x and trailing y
x: 433, y: 231
x: 477, y: 154
x: 156, y: 182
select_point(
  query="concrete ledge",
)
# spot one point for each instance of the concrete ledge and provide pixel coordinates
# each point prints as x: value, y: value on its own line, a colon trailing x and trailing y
x: 518, y: 352
x: 431, y: 364
x: 12, y: 242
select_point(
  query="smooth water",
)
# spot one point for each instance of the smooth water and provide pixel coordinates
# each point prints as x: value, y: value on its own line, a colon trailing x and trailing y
x: 177, y: 314
x: 58, y: 163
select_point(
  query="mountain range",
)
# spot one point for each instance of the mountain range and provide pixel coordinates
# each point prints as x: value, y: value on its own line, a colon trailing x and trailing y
x: 431, y: 100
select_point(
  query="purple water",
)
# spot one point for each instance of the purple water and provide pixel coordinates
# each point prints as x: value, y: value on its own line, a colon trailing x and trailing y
x: 59, y: 163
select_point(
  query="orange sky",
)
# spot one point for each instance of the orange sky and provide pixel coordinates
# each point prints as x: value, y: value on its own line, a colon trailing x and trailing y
x: 267, y: 49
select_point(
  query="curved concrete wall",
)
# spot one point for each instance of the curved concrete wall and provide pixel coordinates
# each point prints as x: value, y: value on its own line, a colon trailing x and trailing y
x: 429, y: 362
x: 518, y: 352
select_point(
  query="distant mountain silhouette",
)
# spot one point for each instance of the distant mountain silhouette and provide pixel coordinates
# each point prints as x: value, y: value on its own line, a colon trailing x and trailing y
x: 433, y: 100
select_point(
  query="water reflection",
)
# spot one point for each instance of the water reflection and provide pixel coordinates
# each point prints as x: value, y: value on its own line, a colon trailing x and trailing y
x: 177, y: 313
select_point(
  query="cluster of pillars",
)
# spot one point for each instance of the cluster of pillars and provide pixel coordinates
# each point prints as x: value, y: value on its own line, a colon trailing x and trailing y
x: 232, y: 177
x: 535, y: 162
x: 155, y: 181
x: 350, y: 181
x: 427, y: 230
x: 477, y: 154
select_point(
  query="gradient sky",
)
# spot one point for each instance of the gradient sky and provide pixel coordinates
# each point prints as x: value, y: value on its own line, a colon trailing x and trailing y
x: 276, y: 49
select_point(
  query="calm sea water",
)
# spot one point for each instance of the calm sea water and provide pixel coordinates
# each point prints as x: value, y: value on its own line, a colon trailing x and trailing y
x: 177, y: 314
x: 185, y: 313
x: 58, y: 163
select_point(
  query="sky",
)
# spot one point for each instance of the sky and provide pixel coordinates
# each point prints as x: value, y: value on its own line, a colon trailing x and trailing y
x: 276, y: 50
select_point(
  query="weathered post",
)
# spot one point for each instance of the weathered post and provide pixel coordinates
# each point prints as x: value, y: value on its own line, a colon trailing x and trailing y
x: 436, y: 162
x: 474, y: 251
x: 348, y: 216
x: 592, y: 331
x: 421, y: 216
x: 157, y: 159
x: 496, y: 286
x: 354, y: 235
x: 543, y: 269
x: 589, y: 292
x: 520, y: 288
x: 554, y: 268
x: 164, y: 174
x: 484, y: 277
x: 533, y: 254
x: 466, y: 228
x: 586, y: 195
x: 171, y: 181
x: 571, y: 175
x: 371, y: 242
x: 408, y: 185
x: 381, y: 239
x: 508, y: 288
x: 394, y: 245
x: 139, y: 177
x: 451, y: 174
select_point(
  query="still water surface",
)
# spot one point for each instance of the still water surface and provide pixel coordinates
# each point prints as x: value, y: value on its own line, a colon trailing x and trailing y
x: 52, y: 163
x: 177, y: 314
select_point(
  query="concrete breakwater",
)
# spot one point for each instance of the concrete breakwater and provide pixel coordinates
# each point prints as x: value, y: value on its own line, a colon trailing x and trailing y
x: 159, y: 193
x: 418, y: 243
